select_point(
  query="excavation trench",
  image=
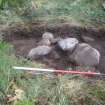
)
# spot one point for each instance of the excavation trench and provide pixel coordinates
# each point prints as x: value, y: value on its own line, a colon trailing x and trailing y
x: 24, y: 40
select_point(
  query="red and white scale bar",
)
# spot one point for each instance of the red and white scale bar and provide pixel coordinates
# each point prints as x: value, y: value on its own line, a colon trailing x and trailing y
x: 55, y: 71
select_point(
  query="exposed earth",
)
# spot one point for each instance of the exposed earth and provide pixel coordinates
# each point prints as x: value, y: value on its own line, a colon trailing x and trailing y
x: 24, y: 40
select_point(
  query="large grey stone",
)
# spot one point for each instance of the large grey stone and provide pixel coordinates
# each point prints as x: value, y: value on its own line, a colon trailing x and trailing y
x: 85, y: 55
x: 68, y: 44
x: 39, y: 52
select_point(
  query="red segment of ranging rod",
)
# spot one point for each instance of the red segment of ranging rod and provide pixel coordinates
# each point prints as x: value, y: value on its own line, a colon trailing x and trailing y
x: 75, y: 72
x: 55, y: 71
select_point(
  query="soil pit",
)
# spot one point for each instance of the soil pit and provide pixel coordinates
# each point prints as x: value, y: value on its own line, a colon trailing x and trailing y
x: 24, y: 40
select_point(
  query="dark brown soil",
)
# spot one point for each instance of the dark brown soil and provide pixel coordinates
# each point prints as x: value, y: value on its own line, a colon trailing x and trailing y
x: 24, y: 40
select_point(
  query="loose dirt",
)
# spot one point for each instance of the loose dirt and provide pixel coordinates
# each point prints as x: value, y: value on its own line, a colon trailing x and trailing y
x: 24, y: 39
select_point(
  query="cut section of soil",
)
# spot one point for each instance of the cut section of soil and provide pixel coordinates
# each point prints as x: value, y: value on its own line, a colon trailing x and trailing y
x: 24, y: 40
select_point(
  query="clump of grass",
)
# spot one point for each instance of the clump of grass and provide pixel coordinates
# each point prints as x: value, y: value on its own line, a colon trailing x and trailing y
x: 7, y: 61
x: 86, y: 92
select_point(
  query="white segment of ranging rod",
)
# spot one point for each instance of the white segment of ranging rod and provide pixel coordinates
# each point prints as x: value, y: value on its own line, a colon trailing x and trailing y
x: 32, y: 69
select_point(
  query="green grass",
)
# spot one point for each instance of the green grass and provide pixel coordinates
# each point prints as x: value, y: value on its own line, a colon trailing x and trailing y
x: 61, y: 90
x: 82, y: 12
x: 7, y: 61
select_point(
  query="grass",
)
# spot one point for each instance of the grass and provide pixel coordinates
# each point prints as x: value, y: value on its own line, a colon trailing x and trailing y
x: 61, y: 90
x: 87, y: 12
x: 82, y: 12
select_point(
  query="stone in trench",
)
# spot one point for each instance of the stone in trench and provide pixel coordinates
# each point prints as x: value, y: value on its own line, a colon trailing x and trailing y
x: 87, y: 39
x: 48, y: 35
x: 39, y: 51
x: 85, y: 55
x: 103, y: 4
x: 68, y: 44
